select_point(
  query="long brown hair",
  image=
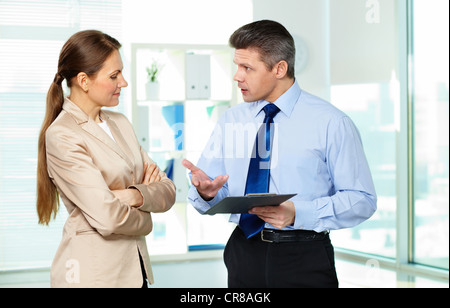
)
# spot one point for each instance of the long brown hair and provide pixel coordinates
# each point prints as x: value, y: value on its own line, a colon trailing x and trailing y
x: 85, y: 51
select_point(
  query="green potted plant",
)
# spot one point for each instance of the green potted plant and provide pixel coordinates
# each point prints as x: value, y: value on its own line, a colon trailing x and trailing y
x: 152, y: 85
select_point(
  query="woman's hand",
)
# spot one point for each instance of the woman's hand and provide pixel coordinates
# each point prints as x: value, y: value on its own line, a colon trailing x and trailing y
x: 132, y: 196
x: 151, y: 174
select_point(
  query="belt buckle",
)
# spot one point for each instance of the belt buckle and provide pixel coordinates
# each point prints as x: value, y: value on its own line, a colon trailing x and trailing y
x: 262, y: 236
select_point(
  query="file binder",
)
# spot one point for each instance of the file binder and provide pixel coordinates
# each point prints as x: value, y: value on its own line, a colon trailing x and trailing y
x: 239, y: 205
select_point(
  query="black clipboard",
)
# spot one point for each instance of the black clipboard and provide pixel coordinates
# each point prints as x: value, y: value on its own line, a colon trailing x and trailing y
x: 239, y: 205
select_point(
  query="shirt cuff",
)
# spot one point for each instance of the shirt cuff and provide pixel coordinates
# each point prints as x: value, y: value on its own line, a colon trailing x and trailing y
x: 199, y: 203
x: 305, y: 216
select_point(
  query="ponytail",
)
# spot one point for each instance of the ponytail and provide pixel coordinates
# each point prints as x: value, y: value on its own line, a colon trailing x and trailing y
x: 47, y: 203
x: 85, y: 51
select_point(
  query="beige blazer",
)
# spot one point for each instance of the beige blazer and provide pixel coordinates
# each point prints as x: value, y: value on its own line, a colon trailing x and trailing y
x: 102, y: 237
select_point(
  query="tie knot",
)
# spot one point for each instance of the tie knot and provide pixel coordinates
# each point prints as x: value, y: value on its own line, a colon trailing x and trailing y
x: 271, y: 110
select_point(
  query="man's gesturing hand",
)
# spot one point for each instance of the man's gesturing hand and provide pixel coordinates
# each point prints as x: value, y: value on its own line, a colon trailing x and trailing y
x: 206, y: 188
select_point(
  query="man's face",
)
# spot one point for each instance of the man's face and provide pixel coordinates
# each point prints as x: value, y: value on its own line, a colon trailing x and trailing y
x: 254, y: 79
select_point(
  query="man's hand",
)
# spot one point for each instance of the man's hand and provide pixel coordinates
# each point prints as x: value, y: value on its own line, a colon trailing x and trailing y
x: 278, y: 216
x: 206, y: 188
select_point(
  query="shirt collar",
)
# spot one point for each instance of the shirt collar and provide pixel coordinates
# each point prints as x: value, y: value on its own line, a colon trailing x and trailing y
x: 285, y: 102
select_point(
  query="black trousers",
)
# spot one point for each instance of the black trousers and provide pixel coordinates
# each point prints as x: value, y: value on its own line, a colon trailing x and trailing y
x: 144, y: 275
x: 253, y: 263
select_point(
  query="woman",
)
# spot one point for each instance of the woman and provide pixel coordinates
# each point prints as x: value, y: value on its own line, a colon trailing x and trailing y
x: 91, y: 159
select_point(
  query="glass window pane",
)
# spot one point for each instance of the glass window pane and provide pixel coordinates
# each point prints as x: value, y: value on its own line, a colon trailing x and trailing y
x: 364, y: 84
x: 431, y: 129
x: 31, y: 36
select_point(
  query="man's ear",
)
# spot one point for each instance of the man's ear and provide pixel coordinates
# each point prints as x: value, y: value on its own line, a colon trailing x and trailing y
x: 281, y: 69
x: 83, y: 81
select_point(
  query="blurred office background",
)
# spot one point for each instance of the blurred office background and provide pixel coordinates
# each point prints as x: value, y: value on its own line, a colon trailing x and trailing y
x: 383, y: 62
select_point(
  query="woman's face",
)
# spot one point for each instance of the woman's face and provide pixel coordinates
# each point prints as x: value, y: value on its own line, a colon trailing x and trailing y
x: 105, y: 86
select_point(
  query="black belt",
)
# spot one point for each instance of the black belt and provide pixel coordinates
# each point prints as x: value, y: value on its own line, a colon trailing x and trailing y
x: 278, y: 236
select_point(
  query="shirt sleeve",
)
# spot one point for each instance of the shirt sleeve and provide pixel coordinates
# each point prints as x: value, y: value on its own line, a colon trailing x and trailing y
x: 353, y: 199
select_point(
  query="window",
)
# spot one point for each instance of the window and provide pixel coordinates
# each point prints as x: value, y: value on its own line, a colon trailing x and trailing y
x: 430, y: 99
x: 373, y: 62
x: 31, y: 36
x: 364, y: 73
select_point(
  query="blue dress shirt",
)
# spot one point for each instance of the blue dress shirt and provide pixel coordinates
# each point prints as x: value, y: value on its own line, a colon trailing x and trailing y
x: 317, y: 153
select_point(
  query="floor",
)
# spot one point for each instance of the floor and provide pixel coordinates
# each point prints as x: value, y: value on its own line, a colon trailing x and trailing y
x: 212, y: 274
x: 372, y: 275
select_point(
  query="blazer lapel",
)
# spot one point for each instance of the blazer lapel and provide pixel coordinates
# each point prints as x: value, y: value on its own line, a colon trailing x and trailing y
x: 121, y: 142
x: 96, y: 131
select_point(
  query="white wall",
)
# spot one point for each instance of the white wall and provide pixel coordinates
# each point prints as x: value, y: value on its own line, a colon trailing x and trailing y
x: 349, y: 41
x: 308, y: 19
x: 184, y: 22
x: 363, y: 41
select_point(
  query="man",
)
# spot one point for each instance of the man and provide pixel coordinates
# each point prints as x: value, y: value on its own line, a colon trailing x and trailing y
x: 311, y: 149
